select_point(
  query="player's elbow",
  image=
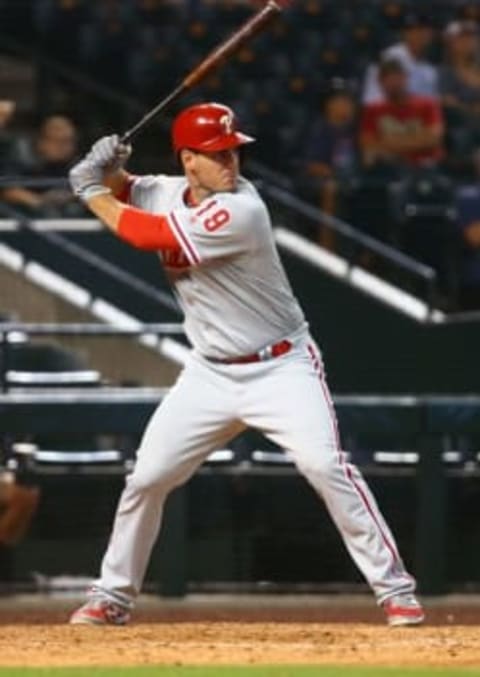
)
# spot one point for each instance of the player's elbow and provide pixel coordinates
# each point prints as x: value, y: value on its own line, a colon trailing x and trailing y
x: 144, y: 231
x: 138, y: 241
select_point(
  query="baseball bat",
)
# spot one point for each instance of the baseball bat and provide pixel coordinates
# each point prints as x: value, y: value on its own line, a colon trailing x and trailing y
x: 252, y: 26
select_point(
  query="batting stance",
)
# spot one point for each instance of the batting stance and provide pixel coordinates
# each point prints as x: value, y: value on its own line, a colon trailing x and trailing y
x: 253, y: 361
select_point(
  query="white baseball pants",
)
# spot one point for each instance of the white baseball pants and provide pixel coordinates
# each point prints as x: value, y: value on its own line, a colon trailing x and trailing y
x: 286, y: 398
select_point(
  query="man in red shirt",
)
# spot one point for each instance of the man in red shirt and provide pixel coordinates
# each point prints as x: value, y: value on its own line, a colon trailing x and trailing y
x: 405, y: 128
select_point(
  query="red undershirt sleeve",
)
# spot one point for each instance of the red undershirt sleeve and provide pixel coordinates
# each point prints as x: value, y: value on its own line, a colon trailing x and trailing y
x: 146, y: 231
x: 124, y: 194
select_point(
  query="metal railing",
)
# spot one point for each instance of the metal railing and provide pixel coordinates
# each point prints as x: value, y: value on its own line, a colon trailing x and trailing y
x: 34, y: 182
x: 400, y: 264
x: 13, y: 332
x: 108, y: 268
x: 95, y: 261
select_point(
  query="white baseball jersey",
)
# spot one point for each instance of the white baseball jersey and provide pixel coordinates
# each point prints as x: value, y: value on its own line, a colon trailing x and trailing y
x: 237, y: 300
x: 228, y: 277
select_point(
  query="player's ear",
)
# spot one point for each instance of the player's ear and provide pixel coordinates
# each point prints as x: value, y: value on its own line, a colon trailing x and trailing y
x: 186, y: 158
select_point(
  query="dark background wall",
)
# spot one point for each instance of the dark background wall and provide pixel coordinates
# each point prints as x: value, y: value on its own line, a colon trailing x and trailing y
x: 371, y: 348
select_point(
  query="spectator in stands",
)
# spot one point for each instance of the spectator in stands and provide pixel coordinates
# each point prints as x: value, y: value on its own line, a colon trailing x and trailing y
x: 330, y: 155
x: 49, y: 157
x: 106, y: 43
x: 422, y: 77
x: 18, y: 504
x: 11, y: 145
x: 469, y: 10
x: 460, y: 86
x: 7, y: 109
x: 401, y: 138
x: 7, y: 139
x: 468, y: 221
x: 403, y: 129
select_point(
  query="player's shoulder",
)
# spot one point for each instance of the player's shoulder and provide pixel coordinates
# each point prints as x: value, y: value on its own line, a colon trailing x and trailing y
x: 153, y: 190
x: 159, y: 181
x: 245, y: 196
x: 245, y: 203
x: 245, y: 209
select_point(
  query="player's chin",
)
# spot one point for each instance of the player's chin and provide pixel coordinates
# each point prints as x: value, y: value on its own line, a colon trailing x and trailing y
x: 227, y: 185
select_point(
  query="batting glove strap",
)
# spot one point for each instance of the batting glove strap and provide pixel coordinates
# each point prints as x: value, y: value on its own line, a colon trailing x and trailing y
x: 87, y: 192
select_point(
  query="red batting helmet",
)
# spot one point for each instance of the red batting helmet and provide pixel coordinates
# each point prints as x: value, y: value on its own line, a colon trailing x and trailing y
x: 207, y: 127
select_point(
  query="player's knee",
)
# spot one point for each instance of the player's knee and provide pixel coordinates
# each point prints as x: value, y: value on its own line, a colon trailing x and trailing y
x: 162, y: 477
x: 322, y: 465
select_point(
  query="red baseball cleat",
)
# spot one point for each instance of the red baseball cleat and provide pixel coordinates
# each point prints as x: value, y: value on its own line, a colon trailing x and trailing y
x: 98, y: 611
x: 403, y: 610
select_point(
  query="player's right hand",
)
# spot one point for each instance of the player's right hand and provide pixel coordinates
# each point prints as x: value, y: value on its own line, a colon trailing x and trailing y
x: 109, y: 154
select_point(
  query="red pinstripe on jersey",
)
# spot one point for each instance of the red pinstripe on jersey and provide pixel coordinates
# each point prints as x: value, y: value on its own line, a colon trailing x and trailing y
x: 183, y: 239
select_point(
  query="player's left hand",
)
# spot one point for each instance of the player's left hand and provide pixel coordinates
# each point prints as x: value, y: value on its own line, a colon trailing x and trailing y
x: 109, y: 153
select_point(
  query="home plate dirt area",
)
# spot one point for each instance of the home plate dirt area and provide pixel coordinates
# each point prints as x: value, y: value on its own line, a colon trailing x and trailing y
x: 261, y: 632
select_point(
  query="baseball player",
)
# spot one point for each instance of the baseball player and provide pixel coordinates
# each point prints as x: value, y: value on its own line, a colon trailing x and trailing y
x: 253, y: 361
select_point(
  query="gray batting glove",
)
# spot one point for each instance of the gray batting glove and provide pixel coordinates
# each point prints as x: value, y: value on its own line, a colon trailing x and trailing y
x: 86, y: 180
x: 109, y: 154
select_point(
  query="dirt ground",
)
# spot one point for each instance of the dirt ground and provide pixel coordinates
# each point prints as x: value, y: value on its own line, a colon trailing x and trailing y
x: 36, y: 634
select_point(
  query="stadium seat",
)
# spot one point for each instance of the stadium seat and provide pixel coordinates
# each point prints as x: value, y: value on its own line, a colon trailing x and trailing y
x: 29, y: 457
x: 28, y: 365
x: 426, y: 223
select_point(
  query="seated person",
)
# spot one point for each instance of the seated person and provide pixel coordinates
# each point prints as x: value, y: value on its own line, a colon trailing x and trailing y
x: 330, y: 155
x: 422, y: 76
x: 468, y: 221
x: 460, y: 89
x: 49, y: 157
x: 400, y: 136
x: 404, y: 129
x: 7, y: 138
x: 460, y: 73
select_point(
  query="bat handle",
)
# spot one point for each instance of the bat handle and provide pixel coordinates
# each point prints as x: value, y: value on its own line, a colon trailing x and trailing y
x: 127, y: 136
x: 130, y: 134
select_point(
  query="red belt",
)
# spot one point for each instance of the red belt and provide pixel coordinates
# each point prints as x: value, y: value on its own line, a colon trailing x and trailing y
x: 275, y: 350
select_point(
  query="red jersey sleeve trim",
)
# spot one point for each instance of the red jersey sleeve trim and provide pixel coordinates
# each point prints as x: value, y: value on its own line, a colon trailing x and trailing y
x: 146, y: 231
x: 184, y: 240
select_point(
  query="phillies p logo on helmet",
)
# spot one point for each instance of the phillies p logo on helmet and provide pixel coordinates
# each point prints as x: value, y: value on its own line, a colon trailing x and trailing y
x: 207, y: 127
x: 227, y: 123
